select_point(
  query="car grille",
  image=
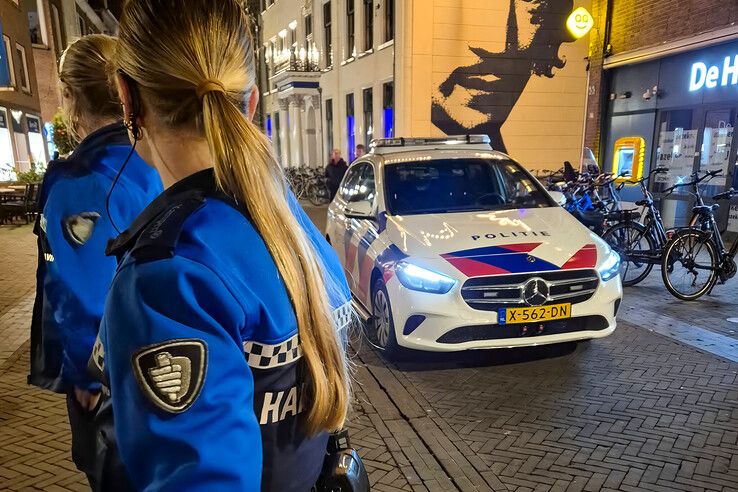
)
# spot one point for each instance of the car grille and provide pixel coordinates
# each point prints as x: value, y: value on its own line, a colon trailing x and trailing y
x: 479, y: 333
x: 506, y: 291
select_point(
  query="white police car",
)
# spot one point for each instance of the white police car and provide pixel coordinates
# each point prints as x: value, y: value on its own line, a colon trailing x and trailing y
x: 450, y: 245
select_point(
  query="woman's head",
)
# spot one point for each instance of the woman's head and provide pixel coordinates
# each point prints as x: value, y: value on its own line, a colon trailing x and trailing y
x: 187, y: 74
x: 88, y: 100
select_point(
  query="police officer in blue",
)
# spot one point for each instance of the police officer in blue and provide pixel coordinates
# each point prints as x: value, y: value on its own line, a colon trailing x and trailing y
x: 77, y: 218
x: 221, y: 338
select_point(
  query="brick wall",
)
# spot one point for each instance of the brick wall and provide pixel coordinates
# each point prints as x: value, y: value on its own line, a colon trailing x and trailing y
x: 640, y: 24
x: 46, y: 72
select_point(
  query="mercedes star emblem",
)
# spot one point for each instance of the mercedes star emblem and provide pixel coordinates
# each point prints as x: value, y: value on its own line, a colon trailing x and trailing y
x: 535, y: 292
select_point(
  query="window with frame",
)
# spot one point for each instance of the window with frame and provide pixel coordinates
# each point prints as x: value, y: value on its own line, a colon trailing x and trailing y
x: 368, y: 24
x: 9, y: 65
x: 351, y: 127
x: 389, y: 20
x: 25, y: 81
x: 308, y: 27
x: 277, y: 134
x: 328, y: 34
x: 329, y: 124
x: 368, y: 116
x: 58, y: 32
x: 350, y: 27
x: 388, y: 109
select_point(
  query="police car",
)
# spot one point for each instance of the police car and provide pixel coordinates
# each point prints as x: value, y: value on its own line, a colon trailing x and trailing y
x: 449, y: 245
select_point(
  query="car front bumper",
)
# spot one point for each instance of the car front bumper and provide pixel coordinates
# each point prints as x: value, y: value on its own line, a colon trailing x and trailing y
x: 446, y: 323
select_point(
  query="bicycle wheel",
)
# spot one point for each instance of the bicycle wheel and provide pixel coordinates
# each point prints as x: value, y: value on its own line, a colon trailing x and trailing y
x: 632, y: 241
x: 689, y: 265
x: 318, y: 194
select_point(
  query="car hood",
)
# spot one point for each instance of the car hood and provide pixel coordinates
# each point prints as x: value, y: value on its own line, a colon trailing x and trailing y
x: 510, y: 241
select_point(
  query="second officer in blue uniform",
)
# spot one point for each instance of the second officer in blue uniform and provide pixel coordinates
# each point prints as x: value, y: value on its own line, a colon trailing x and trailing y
x: 77, y: 218
x: 221, y: 339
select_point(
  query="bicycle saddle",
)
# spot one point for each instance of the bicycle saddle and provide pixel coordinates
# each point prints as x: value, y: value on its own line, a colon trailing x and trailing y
x: 706, y: 208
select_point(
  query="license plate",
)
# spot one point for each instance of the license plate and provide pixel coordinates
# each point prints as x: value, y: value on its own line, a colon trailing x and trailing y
x: 512, y: 316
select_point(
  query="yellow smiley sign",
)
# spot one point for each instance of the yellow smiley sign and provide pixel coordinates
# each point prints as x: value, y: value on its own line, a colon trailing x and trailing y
x: 579, y: 22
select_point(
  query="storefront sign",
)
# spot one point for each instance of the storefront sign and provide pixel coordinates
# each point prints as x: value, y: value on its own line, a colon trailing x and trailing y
x: 579, y: 22
x: 715, y: 75
x: 4, y: 65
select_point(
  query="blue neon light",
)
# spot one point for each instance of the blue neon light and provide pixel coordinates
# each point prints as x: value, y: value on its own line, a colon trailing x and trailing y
x: 389, y: 123
x: 351, y: 138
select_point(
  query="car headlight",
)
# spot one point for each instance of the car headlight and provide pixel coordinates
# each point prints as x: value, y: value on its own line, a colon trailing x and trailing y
x: 414, y: 277
x: 610, y: 266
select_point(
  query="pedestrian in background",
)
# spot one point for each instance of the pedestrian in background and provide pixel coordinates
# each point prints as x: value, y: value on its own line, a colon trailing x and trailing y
x: 221, y: 331
x: 334, y: 171
x: 77, y: 218
x: 360, y: 151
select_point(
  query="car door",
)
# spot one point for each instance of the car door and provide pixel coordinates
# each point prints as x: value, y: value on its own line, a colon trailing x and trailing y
x: 338, y: 224
x: 364, y: 232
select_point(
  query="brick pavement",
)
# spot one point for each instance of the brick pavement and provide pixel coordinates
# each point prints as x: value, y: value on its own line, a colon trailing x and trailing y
x: 635, y: 411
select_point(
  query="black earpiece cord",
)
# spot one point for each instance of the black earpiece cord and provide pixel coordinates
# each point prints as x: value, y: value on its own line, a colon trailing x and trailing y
x: 115, y: 181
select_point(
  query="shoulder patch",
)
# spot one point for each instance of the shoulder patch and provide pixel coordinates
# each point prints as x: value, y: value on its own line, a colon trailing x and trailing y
x: 77, y: 228
x: 171, y: 374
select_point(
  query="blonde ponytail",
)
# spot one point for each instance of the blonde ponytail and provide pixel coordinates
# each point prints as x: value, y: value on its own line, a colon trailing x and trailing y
x: 245, y: 165
x: 174, y: 55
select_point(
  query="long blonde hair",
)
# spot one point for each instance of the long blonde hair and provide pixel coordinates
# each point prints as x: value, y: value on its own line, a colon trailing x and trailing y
x: 83, y: 71
x: 170, y: 48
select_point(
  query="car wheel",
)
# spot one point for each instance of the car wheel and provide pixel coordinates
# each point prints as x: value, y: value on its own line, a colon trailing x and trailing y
x: 384, y: 326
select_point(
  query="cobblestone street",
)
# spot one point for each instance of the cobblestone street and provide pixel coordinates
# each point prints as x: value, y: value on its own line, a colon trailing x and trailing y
x: 652, y: 407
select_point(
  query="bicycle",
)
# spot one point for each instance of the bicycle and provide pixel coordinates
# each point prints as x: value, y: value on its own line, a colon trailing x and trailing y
x: 641, y: 244
x: 695, y: 259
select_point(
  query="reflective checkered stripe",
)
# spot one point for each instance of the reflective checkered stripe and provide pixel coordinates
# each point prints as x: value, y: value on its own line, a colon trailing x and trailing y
x: 342, y: 316
x: 265, y: 356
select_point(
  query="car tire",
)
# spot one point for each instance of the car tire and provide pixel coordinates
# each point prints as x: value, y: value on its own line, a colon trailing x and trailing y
x: 383, y: 325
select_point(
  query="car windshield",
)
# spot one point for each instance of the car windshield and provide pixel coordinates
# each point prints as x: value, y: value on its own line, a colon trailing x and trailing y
x: 461, y: 185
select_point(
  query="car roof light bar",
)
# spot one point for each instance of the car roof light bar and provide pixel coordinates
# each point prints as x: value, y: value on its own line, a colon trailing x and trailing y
x: 450, y: 140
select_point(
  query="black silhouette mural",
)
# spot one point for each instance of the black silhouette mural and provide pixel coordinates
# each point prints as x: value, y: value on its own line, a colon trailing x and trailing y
x: 478, y: 98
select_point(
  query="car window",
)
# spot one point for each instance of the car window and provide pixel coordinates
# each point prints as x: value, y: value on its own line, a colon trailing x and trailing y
x: 461, y: 185
x: 350, y: 182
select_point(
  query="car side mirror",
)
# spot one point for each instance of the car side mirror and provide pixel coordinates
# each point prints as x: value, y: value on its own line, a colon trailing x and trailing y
x: 360, y: 211
x: 558, y: 197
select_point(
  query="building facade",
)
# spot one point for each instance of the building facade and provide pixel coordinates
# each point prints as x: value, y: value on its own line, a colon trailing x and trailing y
x: 21, y: 128
x: 36, y: 32
x: 662, y: 93
x: 337, y: 73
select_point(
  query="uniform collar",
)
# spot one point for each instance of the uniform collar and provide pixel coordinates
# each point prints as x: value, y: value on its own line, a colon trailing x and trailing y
x: 113, y: 134
x: 194, y: 187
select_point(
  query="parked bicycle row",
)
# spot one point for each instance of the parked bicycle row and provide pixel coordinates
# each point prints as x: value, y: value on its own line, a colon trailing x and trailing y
x: 309, y: 183
x: 693, y: 259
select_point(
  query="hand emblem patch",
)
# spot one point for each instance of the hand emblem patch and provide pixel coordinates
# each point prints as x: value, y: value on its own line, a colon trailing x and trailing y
x: 171, y: 374
x: 78, y: 228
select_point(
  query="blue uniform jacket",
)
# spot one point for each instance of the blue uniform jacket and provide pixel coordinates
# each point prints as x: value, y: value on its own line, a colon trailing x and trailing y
x: 199, y: 346
x: 74, y: 273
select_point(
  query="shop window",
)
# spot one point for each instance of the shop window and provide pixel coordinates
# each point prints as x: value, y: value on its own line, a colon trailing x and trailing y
x: 7, y: 159
x: 25, y: 82
x: 351, y: 127
x: 368, y: 24
x: 329, y: 124
x: 630, y: 155
x: 269, y: 126
x: 388, y: 109
x: 277, y: 135
x: 368, y: 116
x: 36, y: 140
x: 8, y: 66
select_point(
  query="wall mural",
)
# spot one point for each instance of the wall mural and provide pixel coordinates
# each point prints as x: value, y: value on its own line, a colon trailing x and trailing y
x: 478, y: 98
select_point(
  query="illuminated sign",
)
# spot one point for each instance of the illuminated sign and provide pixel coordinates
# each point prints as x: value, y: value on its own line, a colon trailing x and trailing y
x: 579, y: 22
x: 714, y: 75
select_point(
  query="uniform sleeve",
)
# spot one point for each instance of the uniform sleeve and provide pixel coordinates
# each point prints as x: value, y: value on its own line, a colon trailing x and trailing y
x: 77, y: 230
x: 181, y: 387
